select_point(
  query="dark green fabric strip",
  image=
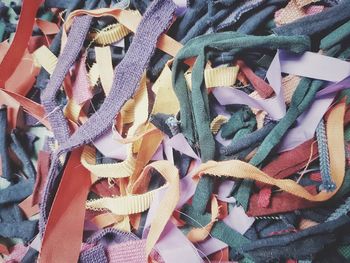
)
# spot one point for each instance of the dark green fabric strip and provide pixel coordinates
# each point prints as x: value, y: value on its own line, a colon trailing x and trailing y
x: 194, y: 107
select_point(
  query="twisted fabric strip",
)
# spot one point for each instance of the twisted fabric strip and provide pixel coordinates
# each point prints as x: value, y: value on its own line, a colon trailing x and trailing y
x: 321, y: 136
x: 127, y: 77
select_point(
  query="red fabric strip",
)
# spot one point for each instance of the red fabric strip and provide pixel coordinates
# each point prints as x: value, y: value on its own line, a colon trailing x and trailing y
x: 281, y: 202
x: 64, y: 230
x: 20, y: 41
x: 42, y: 172
x: 264, y: 89
x: 290, y: 162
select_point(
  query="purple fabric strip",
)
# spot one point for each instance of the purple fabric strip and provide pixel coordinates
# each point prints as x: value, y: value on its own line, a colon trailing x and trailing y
x: 314, y: 65
x: 181, y: 7
x: 109, y: 146
x: 275, y: 106
x: 173, y: 246
x: 179, y: 143
x: 128, y: 74
x: 310, y: 65
x: 66, y: 59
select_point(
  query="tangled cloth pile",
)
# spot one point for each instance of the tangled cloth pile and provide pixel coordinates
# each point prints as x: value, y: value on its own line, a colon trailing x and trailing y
x: 174, y: 131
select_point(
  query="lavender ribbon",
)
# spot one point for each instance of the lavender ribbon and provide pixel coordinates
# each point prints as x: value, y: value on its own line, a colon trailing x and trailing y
x: 311, y: 65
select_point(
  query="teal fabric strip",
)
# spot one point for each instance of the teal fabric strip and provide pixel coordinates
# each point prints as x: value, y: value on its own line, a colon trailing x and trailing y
x: 336, y: 36
x: 194, y: 108
x: 325, y: 169
x: 220, y: 230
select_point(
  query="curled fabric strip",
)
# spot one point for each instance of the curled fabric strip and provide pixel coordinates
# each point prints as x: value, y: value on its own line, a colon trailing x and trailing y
x: 105, y: 67
x: 48, y: 61
x: 217, y: 122
x: 65, y: 60
x: 110, y: 34
x: 196, y: 113
x: 242, y: 170
x: 20, y: 41
x: 125, y: 168
x: 168, y: 203
x: 45, y: 58
x: 216, y: 77
x: 199, y: 234
x: 108, y: 170
x: 126, y: 205
x: 221, y: 76
x: 131, y: 20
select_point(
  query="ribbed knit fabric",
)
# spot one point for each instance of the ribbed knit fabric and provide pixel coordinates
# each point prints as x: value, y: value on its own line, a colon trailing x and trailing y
x: 95, y: 254
x: 327, y: 183
x: 131, y: 252
x: 127, y: 77
x: 69, y: 55
x: 101, y: 240
x: 340, y: 211
x: 112, y: 234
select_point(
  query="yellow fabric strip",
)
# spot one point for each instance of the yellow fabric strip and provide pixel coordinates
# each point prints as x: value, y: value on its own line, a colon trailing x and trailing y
x: 125, y: 168
x: 217, y: 122
x: 110, y: 34
x: 93, y: 75
x: 165, y: 101
x: 220, y: 76
x: 45, y: 58
x: 216, y: 77
x: 302, y: 3
x: 131, y: 20
x: 242, y: 170
x: 168, y: 202
x: 139, y: 109
x: 131, y: 204
x: 111, y: 170
x: 72, y: 110
x: 196, y: 235
x: 48, y: 61
x: 123, y: 205
x: 105, y: 67
x: 290, y: 13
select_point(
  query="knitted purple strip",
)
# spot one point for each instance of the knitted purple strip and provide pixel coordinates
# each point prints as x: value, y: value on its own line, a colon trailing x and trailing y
x: 70, y: 53
x: 112, y: 235
x: 103, y: 239
x: 95, y: 254
x: 128, y: 74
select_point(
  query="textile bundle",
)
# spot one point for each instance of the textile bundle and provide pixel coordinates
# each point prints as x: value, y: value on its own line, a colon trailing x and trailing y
x: 171, y: 131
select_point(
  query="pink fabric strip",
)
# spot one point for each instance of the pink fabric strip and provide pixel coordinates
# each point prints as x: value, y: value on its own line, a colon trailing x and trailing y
x: 81, y: 90
x: 131, y: 252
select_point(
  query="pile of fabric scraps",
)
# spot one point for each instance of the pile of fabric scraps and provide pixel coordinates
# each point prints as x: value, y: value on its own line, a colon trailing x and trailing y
x: 170, y: 131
